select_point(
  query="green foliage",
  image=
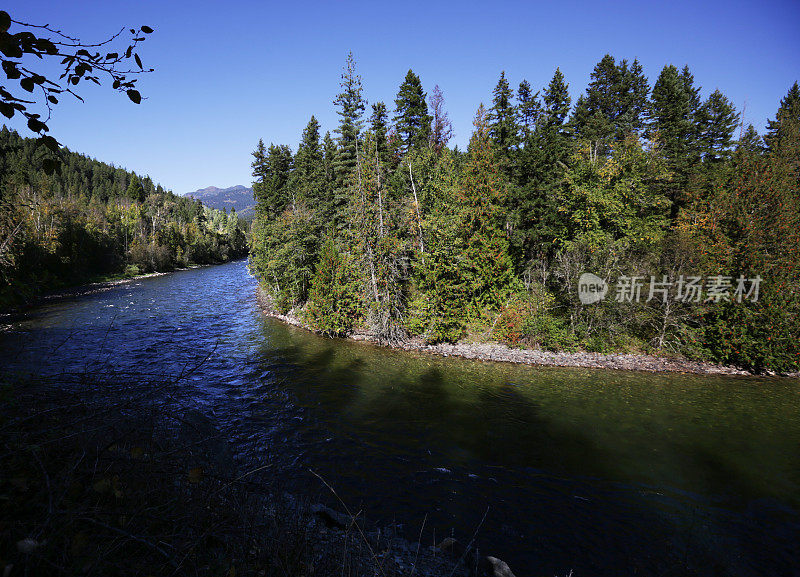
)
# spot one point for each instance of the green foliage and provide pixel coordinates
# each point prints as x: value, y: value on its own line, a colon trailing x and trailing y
x: 93, y: 219
x: 529, y: 318
x: 334, y: 304
x: 411, y: 116
x: 438, y: 243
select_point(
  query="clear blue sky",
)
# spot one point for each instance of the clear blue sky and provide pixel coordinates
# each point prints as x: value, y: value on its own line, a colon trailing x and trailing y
x: 232, y: 72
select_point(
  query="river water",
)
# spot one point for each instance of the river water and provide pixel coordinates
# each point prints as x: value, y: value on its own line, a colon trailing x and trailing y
x: 591, y: 471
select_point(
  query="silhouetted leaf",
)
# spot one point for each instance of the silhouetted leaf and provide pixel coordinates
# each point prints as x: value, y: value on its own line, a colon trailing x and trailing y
x: 6, y: 109
x: 36, y: 125
x: 135, y: 96
x: 49, y: 142
x: 5, y: 22
x: 11, y: 70
x: 27, y: 84
x: 147, y: 29
x: 50, y: 166
x: 138, y: 61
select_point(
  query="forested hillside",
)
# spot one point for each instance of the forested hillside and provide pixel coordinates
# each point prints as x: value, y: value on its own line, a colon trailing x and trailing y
x: 234, y: 198
x: 91, y: 219
x: 696, y: 217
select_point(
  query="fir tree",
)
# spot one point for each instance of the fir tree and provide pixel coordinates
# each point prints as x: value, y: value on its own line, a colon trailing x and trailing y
x: 788, y: 115
x: 529, y: 109
x: 379, y: 127
x: 411, y: 118
x: 351, y: 108
x: 135, y: 190
x: 503, y: 127
x: 718, y: 119
x: 674, y: 104
x: 308, y: 174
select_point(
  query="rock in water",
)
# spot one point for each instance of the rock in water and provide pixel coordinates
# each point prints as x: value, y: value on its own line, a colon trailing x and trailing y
x: 495, y: 567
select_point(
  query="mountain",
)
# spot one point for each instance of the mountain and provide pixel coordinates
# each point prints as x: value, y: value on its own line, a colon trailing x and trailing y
x: 238, y: 197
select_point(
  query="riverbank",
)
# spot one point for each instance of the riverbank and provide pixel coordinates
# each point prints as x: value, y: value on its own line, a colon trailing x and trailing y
x: 497, y: 352
x: 103, y: 476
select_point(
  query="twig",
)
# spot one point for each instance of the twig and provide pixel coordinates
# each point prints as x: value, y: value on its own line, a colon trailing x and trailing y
x: 352, y: 517
x: 141, y: 540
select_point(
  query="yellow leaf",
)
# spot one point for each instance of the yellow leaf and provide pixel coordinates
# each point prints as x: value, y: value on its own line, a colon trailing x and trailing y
x: 195, y: 474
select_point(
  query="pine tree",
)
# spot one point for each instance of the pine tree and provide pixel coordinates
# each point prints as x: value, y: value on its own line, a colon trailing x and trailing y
x: 634, y: 107
x: 750, y: 142
x: 380, y: 128
x: 718, y: 119
x: 271, y: 172
x: 614, y: 105
x: 411, y: 118
x: 502, y: 121
x: 556, y: 101
x: 334, y: 304
x: 786, y: 119
x: 529, y: 110
x: 351, y: 108
x: 541, y: 170
x: 308, y: 176
x: 135, y: 190
x: 674, y: 106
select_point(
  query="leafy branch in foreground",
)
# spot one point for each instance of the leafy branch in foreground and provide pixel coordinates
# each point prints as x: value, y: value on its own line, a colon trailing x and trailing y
x: 99, y: 62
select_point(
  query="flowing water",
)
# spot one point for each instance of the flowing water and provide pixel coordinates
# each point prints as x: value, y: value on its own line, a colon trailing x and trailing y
x: 594, y: 471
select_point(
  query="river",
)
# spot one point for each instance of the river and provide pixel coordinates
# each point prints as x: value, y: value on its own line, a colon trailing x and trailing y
x: 590, y: 471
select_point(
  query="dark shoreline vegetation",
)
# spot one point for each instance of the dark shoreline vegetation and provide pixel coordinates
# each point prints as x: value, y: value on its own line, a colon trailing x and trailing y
x: 93, y: 222
x: 386, y: 230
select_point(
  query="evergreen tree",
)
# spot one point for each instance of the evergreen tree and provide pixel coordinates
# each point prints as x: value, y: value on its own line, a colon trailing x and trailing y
x: 351, y: 108
x: 786, y: 119
x: 380, y: 128
x: 135, y: 190
x: 334, y: 303
x: 614, y: 106
x: 482, y: 199
x: 556, y: 101
x: 750, y: 142
x: 633, y: 98
x: 411, y: 118
x: 529, y: 109
x: 674, y: 106
x: 308, y: 175
x: 718, y: 119
x: 271, y: 172
x: 536, y: 221
x: 502, y: 120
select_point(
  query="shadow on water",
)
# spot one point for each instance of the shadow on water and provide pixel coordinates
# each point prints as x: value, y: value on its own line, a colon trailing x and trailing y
x: 601, y: 472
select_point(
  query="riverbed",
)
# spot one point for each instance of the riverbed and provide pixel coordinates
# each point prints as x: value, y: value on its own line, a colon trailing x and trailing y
x: 598, y: 472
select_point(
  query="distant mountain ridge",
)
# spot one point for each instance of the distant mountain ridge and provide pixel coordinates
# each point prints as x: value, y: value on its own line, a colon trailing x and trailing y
x: 237, y: 197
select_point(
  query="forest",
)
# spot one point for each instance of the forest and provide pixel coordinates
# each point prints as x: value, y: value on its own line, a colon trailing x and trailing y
x: 384, y: 228
x: 91, y: 220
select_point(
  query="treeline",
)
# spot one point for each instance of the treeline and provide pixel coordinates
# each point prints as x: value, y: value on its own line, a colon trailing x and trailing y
x: 91, y: 219
x: 384, y: 227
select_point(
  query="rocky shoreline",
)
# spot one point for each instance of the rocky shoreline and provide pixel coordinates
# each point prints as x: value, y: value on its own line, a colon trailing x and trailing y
x: 497, y: 352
